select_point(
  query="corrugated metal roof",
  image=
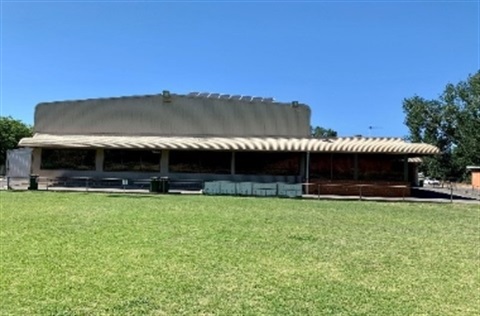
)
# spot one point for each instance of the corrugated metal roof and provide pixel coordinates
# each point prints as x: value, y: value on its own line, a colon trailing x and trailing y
x: 345, y: 144
x: 415, y: 160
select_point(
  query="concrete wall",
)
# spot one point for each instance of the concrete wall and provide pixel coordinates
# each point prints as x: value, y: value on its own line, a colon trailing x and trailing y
x: 180, y: 116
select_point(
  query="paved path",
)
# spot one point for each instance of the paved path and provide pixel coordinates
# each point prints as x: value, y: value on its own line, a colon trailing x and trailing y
x: 460, y: 191
x: 389, y: 199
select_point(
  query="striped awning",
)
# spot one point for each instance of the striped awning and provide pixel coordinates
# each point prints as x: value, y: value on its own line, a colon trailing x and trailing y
x: 341, y: 144
x: 415, y: 160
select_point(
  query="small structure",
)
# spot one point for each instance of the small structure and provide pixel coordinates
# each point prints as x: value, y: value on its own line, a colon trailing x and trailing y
x: 475, y: 175
x: 19, y: 162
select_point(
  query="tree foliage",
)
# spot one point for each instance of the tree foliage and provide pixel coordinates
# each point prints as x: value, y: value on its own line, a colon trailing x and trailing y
x: 452, y: 123
x: 321, y: 132
x: 11, y: 131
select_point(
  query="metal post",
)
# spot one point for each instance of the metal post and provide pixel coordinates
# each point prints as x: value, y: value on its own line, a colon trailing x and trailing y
x: 451, y: 193
x: 331, y: 166
x: 232, y: 164
x: 355, y: 166
x: 8, y: 183
x: 99, y: 158
x: 405, y: 168
x: 307, y: 173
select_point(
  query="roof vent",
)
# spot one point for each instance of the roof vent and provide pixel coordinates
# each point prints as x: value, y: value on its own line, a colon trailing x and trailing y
x: 167, y: 97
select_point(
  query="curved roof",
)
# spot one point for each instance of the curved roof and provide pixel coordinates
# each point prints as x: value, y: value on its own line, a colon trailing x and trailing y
x: 342, y: 144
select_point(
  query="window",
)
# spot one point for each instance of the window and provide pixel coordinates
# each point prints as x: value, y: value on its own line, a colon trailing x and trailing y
x: 267, y: 163
x: 332, y: 166
x: 217, y: 162
x: 131, y: 160
x: 380, y: 167
x: 343, y: 167
x: 70, y: 159
x: 321, y: 166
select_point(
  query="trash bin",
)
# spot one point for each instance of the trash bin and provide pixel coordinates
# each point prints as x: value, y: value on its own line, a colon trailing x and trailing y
x: 33, y: 182
x: 164, y: 184
x: 154, y: 184
x: 420, y: 183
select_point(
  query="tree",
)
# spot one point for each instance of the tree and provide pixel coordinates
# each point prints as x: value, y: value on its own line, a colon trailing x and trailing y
x: 320, y: 132
x: 11, y: 131
x: 452, y: 123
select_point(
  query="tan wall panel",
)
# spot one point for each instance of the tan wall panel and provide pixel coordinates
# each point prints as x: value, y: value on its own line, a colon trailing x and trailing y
x: 183, y: 116
x: 476, y: 179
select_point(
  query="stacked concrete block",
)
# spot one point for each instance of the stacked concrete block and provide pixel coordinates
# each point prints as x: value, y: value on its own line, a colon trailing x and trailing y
x: 211, y: 188
x: 289, y: 190
x: 244, y: 188
x: 227, y: 187
x: 252, y: 189
x: 264, y: 189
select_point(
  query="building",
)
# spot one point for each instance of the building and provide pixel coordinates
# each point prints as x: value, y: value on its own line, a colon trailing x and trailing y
x: 204, y: 136
x: 475, y: 170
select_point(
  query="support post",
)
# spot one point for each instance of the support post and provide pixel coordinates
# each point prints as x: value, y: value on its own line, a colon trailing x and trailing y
x: 232, y: 164
x: 405, y: 168
x: 451, y: 193
x: 307, y: 172
x: 164, y: 158
x: 331, y: 166
x: 355, y: 166
x: 99, y: 158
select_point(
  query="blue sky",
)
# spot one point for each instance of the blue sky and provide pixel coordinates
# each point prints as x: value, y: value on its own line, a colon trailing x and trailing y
x: 352, y: 62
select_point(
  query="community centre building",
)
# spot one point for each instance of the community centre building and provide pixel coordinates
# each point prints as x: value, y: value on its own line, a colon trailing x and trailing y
x: 212, y: 137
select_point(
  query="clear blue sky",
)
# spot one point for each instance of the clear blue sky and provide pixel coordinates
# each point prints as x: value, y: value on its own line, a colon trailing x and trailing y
x: 352, y: 62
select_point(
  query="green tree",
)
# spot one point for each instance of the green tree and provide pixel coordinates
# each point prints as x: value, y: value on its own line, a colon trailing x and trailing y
x: 452, y: 123
x: 11, y: 131
x: 320, y: 132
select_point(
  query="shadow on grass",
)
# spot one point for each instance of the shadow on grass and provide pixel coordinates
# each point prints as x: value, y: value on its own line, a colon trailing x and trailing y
x: 430, y: 194
x: 130, y: 196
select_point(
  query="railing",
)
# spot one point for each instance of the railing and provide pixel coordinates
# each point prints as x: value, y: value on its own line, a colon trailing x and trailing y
x: 451, y: 190
x: 46, y: 183
x: 87, y: 183
x: 360, y: 189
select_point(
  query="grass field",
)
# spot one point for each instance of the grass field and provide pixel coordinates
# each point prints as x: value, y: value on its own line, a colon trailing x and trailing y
x: 108, y: 254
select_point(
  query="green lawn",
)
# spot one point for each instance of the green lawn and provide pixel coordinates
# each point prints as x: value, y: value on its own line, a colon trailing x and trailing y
x: 114, y: 254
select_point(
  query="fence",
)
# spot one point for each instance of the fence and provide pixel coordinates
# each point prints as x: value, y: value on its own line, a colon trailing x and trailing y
x: 318, y: 189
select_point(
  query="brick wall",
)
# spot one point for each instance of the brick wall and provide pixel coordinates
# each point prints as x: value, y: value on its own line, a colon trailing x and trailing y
x: 377, y: 188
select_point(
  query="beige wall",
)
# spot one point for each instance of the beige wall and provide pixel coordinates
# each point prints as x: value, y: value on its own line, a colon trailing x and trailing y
x: 183, y: 116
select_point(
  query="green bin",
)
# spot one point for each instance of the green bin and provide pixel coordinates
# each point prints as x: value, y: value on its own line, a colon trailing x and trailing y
x: 154, y: 184
x: 33, y: 182
x: 164, y: 185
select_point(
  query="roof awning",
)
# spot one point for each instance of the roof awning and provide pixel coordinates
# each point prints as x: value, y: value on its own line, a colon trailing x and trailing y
x: 340, y: 145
